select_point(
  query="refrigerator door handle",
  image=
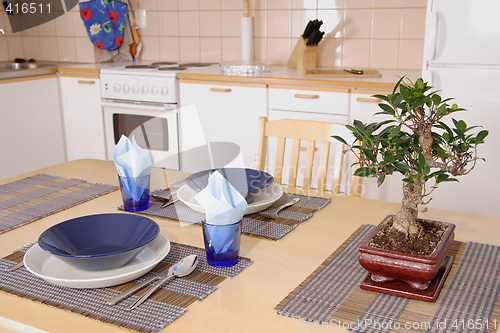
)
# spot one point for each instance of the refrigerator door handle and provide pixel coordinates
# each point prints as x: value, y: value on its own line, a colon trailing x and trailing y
x: 432, y: 35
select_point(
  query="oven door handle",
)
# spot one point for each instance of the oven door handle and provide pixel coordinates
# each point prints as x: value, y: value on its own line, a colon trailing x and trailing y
x: 137, y: 106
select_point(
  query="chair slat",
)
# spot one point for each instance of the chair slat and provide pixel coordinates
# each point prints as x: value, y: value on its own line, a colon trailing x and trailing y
x: 337, y: 168
x: 294, y: 164
x: 309, y: 164
x: 323, y: 166
x: 280, y: 157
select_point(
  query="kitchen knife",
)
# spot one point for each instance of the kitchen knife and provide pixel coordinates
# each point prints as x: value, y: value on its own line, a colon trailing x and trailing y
x: 320, y: 36
x: 307, y: 30
x: 312, y: 38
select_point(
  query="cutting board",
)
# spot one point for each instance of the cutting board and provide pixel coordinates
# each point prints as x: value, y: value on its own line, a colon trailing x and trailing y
x: 341, y: 73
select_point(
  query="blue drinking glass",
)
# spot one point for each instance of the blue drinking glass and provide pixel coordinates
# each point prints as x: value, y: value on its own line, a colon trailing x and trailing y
x: 222, y: 243
x: 135, y: 192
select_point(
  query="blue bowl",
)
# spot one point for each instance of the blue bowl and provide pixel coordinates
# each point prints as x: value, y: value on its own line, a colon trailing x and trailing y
x: 248, y: 182
x: 99, y: 242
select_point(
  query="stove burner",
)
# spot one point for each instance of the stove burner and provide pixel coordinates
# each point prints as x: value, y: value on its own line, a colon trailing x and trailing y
x: 164, y: 63
x: 197, y: 64
x: 176, y: 68
x: 140, y: 66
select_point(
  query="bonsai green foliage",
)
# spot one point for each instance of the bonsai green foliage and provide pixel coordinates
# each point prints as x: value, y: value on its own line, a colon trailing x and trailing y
x: 415, y: 143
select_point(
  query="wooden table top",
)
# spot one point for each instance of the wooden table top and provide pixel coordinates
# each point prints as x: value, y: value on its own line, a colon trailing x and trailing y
x: 246, y: 302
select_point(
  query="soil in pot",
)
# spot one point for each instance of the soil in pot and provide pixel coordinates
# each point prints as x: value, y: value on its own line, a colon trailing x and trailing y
x: 388, y: 239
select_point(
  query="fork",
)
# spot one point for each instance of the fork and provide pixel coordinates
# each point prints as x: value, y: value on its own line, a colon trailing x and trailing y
x: 14, y: 267
x: 288, y: 204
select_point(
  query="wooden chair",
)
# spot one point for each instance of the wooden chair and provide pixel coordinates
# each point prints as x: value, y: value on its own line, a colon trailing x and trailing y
x: 312, y: 132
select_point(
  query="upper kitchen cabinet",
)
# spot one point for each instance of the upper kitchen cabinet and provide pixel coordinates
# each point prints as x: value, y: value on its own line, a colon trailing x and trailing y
x: 30, y: 130
x: 82, y: 116
x: 223, y: 114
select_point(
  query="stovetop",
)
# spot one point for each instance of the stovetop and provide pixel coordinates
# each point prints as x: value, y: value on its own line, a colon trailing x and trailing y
x: 165, y: 68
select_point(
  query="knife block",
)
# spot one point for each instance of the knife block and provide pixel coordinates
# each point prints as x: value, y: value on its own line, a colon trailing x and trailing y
x: 303, y: 56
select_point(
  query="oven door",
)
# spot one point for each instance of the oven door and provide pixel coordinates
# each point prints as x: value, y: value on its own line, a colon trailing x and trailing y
x: 154, y: 127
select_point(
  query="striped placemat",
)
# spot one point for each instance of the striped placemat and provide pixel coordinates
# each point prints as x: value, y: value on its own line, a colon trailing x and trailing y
x: 254, y: 225
x: 162, y: 308
x: 32, y: 198
x: 331, y: 298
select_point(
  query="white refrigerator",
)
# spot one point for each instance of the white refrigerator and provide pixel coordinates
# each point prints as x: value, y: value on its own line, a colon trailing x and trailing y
x: 462, y: 60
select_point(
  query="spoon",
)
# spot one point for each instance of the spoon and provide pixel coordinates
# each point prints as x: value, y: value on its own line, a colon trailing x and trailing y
x: 184, y: 267
x: 291, y: 203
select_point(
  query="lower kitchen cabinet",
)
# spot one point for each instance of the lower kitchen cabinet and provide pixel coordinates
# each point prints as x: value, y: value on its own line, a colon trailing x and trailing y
x: 226, y: 116
x: 30, y: 128
x: 82, y: 116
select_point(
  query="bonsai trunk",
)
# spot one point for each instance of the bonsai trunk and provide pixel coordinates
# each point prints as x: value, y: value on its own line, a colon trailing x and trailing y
x: 405, y: 221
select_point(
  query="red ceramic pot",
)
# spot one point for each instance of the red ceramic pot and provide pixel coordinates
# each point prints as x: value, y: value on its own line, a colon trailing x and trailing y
x: 416, y: 270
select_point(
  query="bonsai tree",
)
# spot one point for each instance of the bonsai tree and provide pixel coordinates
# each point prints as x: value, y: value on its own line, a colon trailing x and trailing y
x: 416, y: 143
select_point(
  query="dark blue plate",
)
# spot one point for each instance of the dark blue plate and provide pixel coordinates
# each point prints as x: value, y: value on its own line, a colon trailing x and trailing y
x: 99, y: 242
x: 246, y: 181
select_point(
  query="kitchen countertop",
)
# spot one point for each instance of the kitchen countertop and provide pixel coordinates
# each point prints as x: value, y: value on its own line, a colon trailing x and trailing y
x: 277, y: 269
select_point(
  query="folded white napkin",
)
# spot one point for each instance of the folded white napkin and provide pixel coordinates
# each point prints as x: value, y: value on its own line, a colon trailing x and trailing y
x: 223, y: 205
x: 132, y: 161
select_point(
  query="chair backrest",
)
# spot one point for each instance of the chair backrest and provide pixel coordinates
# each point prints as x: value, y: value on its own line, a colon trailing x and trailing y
x: 313, y: 132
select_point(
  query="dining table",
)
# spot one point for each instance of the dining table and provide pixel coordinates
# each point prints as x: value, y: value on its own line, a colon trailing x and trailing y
x: 244, y: 303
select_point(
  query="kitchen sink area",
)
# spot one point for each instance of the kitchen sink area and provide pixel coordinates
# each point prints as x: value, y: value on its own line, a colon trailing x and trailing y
x: 10, y: 69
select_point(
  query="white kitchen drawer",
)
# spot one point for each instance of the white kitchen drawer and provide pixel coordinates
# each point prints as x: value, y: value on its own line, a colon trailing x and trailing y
x: 309, y: 99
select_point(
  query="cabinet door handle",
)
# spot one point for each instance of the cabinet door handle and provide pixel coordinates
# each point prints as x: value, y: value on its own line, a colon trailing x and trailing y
x: 220, y: 90
x: 368, y: 100
x: 306, y: 96
x: 86, y: 82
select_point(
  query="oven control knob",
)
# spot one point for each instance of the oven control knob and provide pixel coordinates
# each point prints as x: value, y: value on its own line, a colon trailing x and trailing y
x: 116, y: 87
x: 145, y: 89
x: 135, y: 89
x: 126, y: 88
x: 154, y: 90
x: 164, y: 91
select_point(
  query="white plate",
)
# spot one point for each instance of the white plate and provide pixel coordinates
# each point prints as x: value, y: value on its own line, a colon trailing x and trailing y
x: 53, y: 270
x: 268, y: 196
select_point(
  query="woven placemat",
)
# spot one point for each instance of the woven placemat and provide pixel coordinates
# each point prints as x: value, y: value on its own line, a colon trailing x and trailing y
x: 331, y: 298
x: 32, y: 198
x: 163, y: 307
x: 254, y: 225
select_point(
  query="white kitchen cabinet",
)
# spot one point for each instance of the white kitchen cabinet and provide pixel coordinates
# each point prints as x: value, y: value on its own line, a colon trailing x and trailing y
x: 308, y: 103
x: 363, y: 108
x: 219, y: 112
x: 82, y: 116
x: 30, y: 128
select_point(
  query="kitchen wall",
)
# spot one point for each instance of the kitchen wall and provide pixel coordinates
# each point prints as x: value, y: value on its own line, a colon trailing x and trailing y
x: 382, y: 34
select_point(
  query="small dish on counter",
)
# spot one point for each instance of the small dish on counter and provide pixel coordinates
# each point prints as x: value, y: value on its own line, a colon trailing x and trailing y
x: 99, y: 242
x: 266, y: 198
x: 58, y: 272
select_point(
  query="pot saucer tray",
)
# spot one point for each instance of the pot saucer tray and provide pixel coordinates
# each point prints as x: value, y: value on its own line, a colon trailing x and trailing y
x: 253, y: 225
x: 331, y: 295
x: 153, y: 315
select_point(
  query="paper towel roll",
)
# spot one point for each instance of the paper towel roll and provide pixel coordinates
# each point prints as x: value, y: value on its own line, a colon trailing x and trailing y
x: 246, y: 39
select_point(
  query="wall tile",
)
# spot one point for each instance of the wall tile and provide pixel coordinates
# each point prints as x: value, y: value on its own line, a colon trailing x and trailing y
x: 413, y: 23
x: 210, y: 5
x: 231, y: 49
x: 66, y: 50
x: 231, y: 5
x: 210, y: 24
x: 258, y: 4
x: 279, y: 4
x: 84, y: 50
x: 48, y: 28
x: 411, y: 54
x: 147, y: 4
x: 386, y: 23
x: 300, y: 18
x: 31, y: 31
x: 329, y: 53
x: 387, y: 3
x: 48, y: 46
x: 330, y: 4
x: 167, y: 5
x: 211, y: 49
x: 260, y: 49
x: 415, y: 3
x: 231, y: 23
x: 64, y: 26
x: 279, y: 50
x: 259, y: 22
x: 187, y: 4
x: 189, y: 24
x: 278, y: 23
x: 152, y: 24
x: 190, y: 49
x: 15, y: 45
x: 333, y: 23
x: 356, y: 53
x: 306, y: 4
x: 4, y: 50
x: 150, y: 48
x: 358, y: 23
x: 169, y: 49
x: 32, y: 49
x: 78, y: 25
x: 358, y: 4
x: 384, y: 53
x: 168, y: 23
